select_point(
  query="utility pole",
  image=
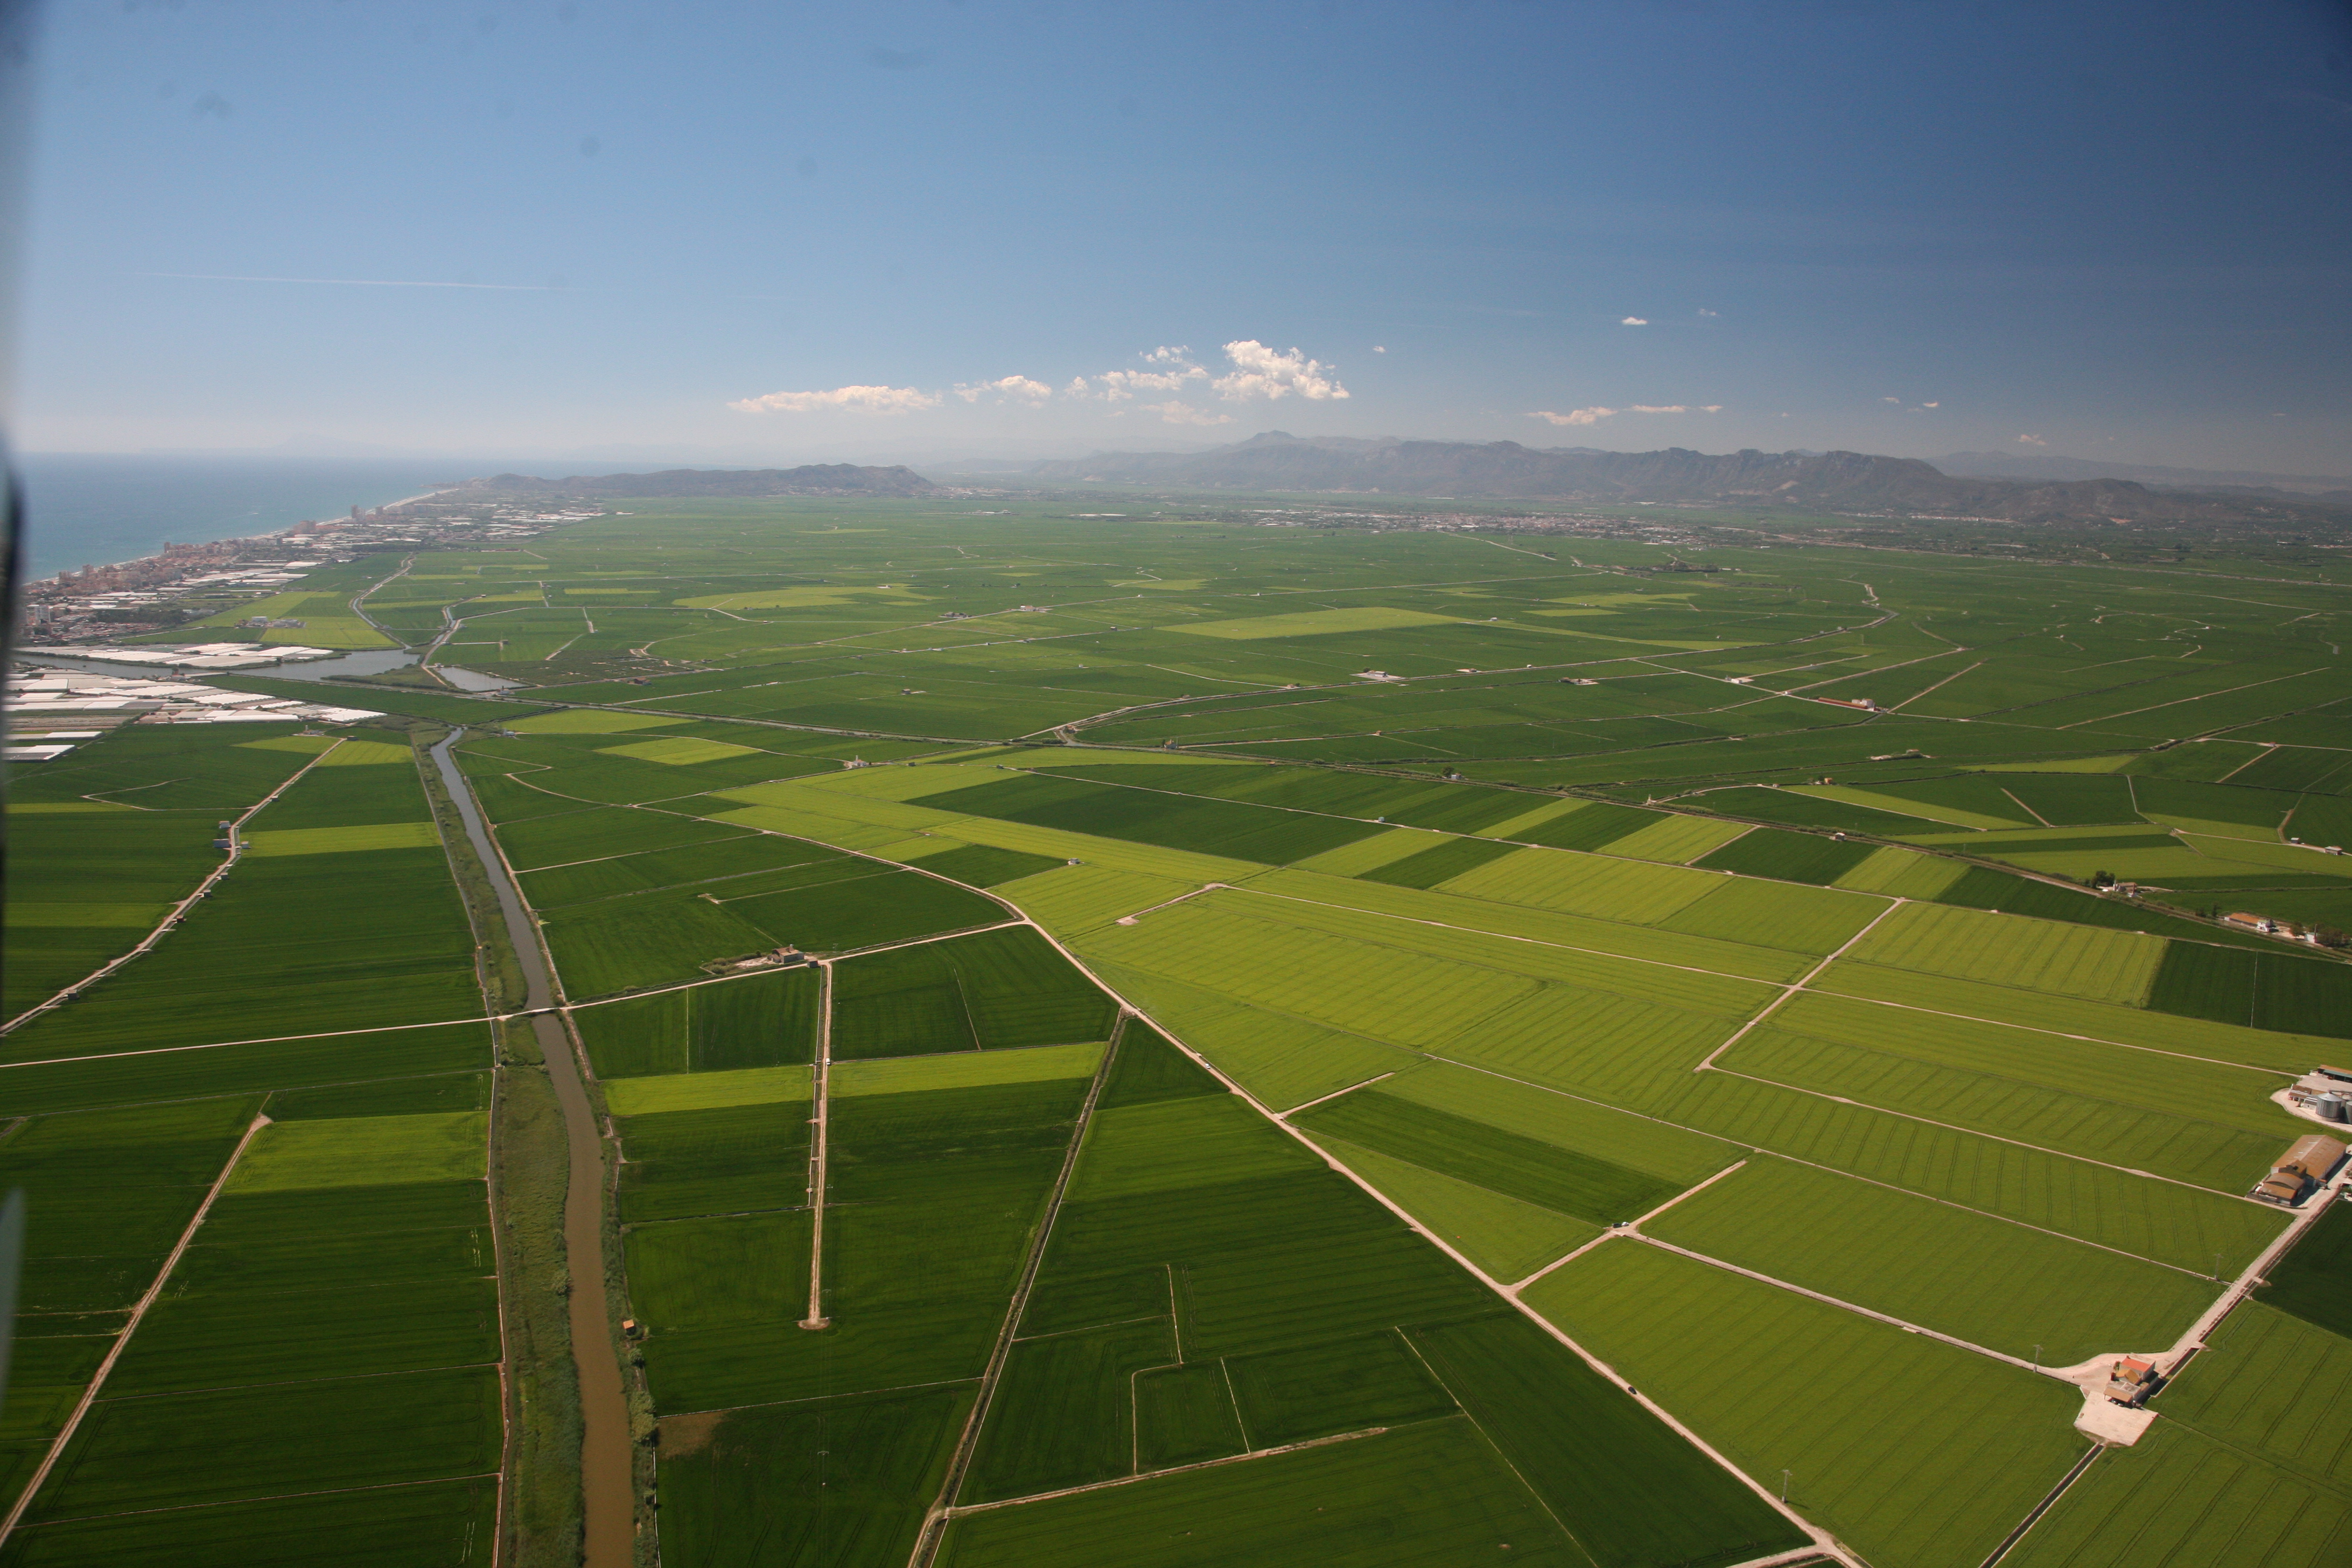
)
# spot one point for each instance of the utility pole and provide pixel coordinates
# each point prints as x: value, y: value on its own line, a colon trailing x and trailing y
x: 1784, y: 1485
x: 2037, y: 1357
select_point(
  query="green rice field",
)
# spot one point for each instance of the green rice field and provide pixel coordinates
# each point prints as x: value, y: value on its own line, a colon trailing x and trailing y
x: 1166, y: 1027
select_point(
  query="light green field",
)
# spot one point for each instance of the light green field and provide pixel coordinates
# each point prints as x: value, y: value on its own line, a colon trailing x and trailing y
x: 590, y: 721
x: 1521, y: 1021
x: 839, y: 832
x: 1507, y: 1238
x: 1917, y: 1453
x: 308, y: 745
x: 1985, y: 1280
x: 1549, y: 811
x: 2157, y: 867
x: 2186, y: 1226
x: 1431, y: 909
x: 365, y: 1151
x: 1588, y: 1042
x: 680, y: 751
x: 1561, y: 879
x: 1904, y: 807
x: 1077, y: 897
x: 1627, y: 975
x: 55, y: 917
x: 2225, y: 1093
x: 961, y: 1069
x: 1369, y: 854
x: 1778, y: 914
x: 1280, y: 1059
x: 1904, y: 874
x: 909, y: 784
x: 2245, y: 855
x: 2017, y: 835
x: 342, y: 840
x: 2130, y: 1025
x: 1675, y: 840
x: 707, y: 1090
x: 1387, y: 992
x: 363, y: 754
x: 803, y: 597
x: 822, y: 805
x: 2089, y: 962
x: 1314, y: 623
x: 52, y: 807
x: 2206, y: 827
x: 2063, y: 765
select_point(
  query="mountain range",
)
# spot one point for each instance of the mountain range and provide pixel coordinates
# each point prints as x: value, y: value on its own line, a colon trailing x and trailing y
x: 1834, y: 481
x: 811, y: 480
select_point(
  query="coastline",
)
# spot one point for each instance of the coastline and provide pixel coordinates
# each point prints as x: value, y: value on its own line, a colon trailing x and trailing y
x: 279, y: 533
x: 115, y: 510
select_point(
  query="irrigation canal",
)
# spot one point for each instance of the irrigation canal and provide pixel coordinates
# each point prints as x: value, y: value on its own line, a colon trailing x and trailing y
x: 606, y: 1474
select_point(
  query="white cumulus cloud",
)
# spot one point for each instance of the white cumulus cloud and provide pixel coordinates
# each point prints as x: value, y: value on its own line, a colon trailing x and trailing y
x: 2033, y: 440
x: 1118, y: 385
x: 1594, y: 415
x: 1379, y: 347
x: 1271, y: 373
x: 1166, y: 355
x: 857, y: 399
x: 1931, y: 405
x: 1634, y: 321
x: 1011, y: 388
x: 1176, y: 411
x: 1709, y: 314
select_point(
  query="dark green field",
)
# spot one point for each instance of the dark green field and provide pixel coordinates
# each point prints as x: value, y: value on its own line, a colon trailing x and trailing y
x: 2314, y: 1281
x: 993, y: 991
x: 1560, y: 1179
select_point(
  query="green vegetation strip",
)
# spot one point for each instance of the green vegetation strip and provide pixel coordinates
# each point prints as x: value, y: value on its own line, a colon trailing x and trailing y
x: 905, y: 1075
x: 363, y: 1151
x: 707, y: 1090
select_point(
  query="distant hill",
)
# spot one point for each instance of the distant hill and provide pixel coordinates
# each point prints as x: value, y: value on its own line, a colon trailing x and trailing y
x: 1834, y: 481
x: 813, y: 479
x: 2040, y: 466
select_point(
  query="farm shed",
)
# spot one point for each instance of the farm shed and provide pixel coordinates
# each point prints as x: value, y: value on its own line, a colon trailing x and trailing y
x: 2307, y: 1162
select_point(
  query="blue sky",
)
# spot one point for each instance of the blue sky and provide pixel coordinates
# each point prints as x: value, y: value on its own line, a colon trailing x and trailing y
x: 2115, y: 230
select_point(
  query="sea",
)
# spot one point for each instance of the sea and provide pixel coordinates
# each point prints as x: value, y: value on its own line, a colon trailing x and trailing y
x: 88, y: 510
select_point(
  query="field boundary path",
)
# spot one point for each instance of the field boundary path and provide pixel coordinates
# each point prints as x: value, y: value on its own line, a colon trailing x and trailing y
x: 606, y: 1463
x: 927, y: 1543
x: 1630, y: 1228
x: 819, y: 1120
x: 1799, y: 983
x: 212, y: 880
x: 122, y: 1339
x: 2010, y: 1541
